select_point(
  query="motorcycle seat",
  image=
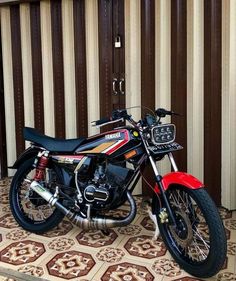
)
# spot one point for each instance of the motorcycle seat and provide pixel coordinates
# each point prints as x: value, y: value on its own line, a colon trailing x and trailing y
x: 51, y: 144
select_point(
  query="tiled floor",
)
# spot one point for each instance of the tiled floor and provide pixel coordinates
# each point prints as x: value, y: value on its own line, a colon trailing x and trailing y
x: 68, y: 253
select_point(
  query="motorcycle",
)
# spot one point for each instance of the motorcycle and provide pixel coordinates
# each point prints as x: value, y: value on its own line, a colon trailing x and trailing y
x: 84, y: 178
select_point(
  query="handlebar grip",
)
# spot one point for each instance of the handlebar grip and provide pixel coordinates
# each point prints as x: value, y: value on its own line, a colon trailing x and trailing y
x: 102, y: 121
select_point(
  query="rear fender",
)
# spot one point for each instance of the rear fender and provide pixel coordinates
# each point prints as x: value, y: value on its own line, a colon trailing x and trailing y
x: 179, y: 178
x: 27, y: 154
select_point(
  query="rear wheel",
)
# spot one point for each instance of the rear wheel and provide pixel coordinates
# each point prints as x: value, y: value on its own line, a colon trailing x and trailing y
x: 198, y: 243
x: 29, y: 209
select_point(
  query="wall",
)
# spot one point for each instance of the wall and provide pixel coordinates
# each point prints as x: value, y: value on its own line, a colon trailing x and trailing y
x: 183, y: 52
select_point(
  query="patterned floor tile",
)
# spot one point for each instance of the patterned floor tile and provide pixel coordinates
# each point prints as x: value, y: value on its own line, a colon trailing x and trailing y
x: 230, y: 226
x: 62, y: 229
x: 69, y: 253
x: 110, y: 255
x: 185, y: 278
x: 4, y: 209
x: 234, y: 214
x: 32, y: 270
x: 96, y: 239
x: 166, y: 267
x: 225, y: 213
x: 61, y: 244
x: 130, y: 230
x: 22, y: 252
x: 229, y: 264
x: 126, y: 270
x: 71, y: 264
x: 28, y: 272
x: 17, y: 234
x: 231, y: 248
x: 75, y: 264
x: 4, y: 199
x: 147, y: 223
x: 144, y: 246
x: 8, y: 222
x: 4, y: 278
x: 226, y: 276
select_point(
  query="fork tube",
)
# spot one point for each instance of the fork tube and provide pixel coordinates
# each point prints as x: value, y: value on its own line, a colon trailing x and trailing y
x: 158, y: 178
x: 156, y: 172
x: 172, y: 161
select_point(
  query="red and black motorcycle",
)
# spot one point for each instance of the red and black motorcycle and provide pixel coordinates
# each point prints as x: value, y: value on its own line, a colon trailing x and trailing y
x: 85, y: 177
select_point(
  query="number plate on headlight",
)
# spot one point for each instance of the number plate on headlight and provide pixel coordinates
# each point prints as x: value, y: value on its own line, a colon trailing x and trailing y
x: 163, y: 134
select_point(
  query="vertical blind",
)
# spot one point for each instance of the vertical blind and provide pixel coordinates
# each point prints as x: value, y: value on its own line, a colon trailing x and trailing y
x: 51, y: 74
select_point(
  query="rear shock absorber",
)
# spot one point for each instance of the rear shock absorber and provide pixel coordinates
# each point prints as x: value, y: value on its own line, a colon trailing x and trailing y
x: 41, y: 166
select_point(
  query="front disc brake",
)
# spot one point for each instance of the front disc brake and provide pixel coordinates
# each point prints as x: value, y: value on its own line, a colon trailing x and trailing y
x: 183, y: 233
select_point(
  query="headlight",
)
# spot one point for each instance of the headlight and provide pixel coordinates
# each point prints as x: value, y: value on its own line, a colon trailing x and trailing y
x: 163, y: 134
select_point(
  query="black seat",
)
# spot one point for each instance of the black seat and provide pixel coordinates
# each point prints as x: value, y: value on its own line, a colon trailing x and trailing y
x: 51, y: 144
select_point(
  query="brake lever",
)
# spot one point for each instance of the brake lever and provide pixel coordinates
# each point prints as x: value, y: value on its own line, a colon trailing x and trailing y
x: 175, y: 113
x: 161, y: 112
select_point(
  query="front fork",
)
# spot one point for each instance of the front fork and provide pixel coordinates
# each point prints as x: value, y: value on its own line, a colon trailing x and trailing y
x: 158, y: 179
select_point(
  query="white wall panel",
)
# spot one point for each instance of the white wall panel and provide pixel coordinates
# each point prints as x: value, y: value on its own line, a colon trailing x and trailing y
x: 46, y: 38
x: 195, y: 84
x: 8, y: 87
x: 133, y: 56
x: 133, y: 62
x: 195, y: 78
x: 92, y: 59
x: 69, y: 67
x: 228, y: 104
x: 163, y: 64
x: 27, y: 65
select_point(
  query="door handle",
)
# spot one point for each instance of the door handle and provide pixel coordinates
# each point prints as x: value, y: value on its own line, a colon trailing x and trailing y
x: 121, y: 86
x: 115, y: 92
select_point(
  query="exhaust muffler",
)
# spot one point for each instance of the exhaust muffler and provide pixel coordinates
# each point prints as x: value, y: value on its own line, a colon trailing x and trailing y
x: 99, y: 222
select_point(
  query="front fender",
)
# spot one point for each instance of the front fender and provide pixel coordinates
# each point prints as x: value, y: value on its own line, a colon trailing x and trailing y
x: 28, y: 153
x: 179, y: 178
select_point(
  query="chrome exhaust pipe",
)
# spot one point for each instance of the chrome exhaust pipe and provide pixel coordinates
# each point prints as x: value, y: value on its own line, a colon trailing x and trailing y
x: 94, y: 223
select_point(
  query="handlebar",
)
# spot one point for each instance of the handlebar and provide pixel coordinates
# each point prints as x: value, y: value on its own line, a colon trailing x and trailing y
x: 121, y: 115
x: 117, y: 115
x: 102, y: 121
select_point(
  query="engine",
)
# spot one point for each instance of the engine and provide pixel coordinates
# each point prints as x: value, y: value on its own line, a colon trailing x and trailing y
x: 92, y: 193
x: 107, y: 185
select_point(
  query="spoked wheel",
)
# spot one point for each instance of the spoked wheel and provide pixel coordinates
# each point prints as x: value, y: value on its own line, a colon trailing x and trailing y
x: 198, y: 243
x: 30, y: 210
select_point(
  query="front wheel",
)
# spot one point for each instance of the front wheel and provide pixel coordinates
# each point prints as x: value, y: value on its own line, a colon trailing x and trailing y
x: 198, y: 243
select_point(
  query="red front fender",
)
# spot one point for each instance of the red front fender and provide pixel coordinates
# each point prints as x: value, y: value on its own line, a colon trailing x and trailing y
x: 179, y: 178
